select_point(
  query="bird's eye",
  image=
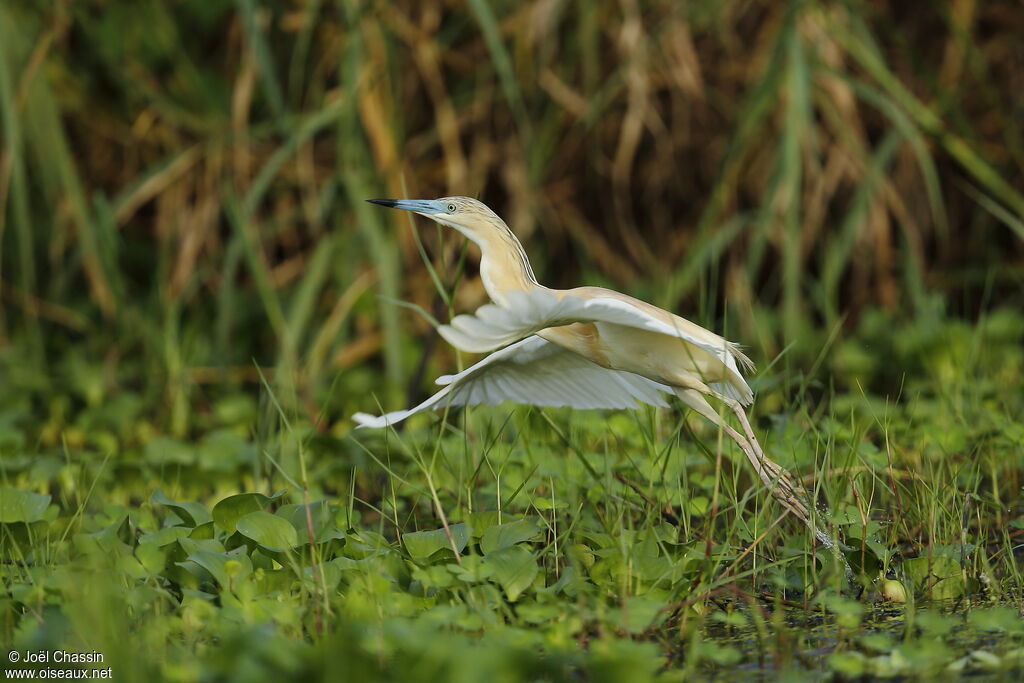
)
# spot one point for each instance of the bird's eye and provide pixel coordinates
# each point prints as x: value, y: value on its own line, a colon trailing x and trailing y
x: 451, y: 208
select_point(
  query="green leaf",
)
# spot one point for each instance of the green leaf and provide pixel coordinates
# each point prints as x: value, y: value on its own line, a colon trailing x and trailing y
x: 548, y: 504
x: 698, y: 506
x: 939, y: 575
x: 269, y: 531
x: 848, y: 612
x: 848, y: 664
x: 935, y: 624
x: 111, y: 540
x: 227, y: 512
x: 224, y: 567
x: 21, y: 506
x: 321, y: 515
x: 191, y: 545
x: 164, y: 536
x: 472, y: 570
x: 423, y: 544
x: 203, y: 531
x: 192, y: 513
x: 637, y: 614
x: 734, y: 619
x: 877, y: 642
x: 997, y: 619
x: 514, y: 569
x: 434, y: 576
x: 723, y: 655
x: 920, y: 569
x: 23, y: 535
x: 151, y: 557
x: 534, y: 613
x: 506, y: 535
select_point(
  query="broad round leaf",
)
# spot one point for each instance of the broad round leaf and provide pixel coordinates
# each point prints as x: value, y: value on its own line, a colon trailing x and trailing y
x: 192, y: 513
x: 224, y: 567
x: 227, y: 512
x: 423, y: 544
x: 21, y: 506
x: 268, y: 531
x: 514, y: 569
x: 507, y: 535
x: 320, y: 514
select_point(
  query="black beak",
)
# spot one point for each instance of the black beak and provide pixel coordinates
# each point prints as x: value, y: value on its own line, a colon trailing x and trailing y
x: 384, y: 202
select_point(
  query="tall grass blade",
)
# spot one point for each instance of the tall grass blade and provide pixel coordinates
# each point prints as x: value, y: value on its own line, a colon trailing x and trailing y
x: 861, y: 47
x: 258, y: 44
x: 501, y: 60
x: 18, y: 190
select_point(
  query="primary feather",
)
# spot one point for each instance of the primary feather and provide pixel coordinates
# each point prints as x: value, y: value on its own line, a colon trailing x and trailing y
x: 535, y: 372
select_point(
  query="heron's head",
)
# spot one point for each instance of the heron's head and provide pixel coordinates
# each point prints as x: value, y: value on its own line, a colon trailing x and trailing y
x: 467, y: 215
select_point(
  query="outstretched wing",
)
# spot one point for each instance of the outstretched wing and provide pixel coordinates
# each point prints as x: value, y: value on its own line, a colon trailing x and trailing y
x: 527, y: 313
x: 535, y: 372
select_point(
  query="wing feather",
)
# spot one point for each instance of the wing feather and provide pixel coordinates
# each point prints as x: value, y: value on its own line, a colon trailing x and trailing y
x: 536, y: 372
x: 526, y: 313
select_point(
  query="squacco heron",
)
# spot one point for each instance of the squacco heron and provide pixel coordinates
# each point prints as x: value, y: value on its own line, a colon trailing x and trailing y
x: 587, y: 347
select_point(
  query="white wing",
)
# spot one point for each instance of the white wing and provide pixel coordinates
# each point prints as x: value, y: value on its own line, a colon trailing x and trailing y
x: 527, y: 313
x: 535, y: 372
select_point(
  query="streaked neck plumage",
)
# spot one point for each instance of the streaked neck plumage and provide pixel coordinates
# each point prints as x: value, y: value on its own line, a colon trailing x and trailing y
x: 504, y: 266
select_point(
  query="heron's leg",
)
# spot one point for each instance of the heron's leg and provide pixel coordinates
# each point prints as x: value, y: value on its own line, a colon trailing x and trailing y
x: 777, y: 470
x: 780, y: 477
x: 741, y: 414
x: 792, y: 491
x: 774, y: 477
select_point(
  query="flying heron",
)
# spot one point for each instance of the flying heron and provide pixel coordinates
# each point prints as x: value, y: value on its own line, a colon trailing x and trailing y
x: 587, y: 347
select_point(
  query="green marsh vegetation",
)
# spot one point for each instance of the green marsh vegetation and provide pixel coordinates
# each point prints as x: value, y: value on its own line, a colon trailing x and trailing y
x: 195, y: 297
